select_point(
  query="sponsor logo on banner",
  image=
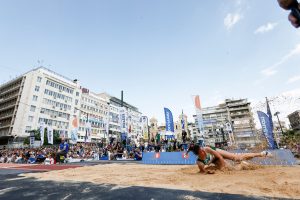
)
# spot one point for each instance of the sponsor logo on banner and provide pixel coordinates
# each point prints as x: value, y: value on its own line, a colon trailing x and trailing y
x: 185, y: 156
x: 266, y: 128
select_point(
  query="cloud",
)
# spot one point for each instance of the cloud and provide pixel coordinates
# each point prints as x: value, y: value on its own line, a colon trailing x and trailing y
x: 231, y: 19
x: 265, y: 28
x: 293, y: 79
x: 270, y: 71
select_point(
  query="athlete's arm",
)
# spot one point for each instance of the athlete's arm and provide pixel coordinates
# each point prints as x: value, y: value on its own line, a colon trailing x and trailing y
x: 201, y: 167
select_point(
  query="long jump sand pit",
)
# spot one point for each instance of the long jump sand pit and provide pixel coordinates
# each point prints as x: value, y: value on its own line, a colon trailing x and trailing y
x: 282, y: 182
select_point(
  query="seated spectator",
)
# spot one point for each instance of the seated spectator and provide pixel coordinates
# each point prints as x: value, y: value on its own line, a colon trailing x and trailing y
x: 138, y: 155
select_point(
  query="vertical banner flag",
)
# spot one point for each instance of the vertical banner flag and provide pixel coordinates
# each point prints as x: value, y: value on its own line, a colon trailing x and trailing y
x: 199, y: 114
x: 270, y: 114
x: 107, y: 126
x: 123, y: 121
x: 74, y: 128
x: 129, y: 124
x: 145, y: 128
x: 42, y: 132
x: 88, y: 132
x: 266, y: 128
x: 169, y: 120
x: 32, y: 139
x: 182, y: 121
x: 50, y: 135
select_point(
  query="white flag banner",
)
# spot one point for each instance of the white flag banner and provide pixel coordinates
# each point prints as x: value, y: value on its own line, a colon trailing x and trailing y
x: 42, y: 132
x: 50, y: 135
x: 124, y: 121
x: 88, y: 127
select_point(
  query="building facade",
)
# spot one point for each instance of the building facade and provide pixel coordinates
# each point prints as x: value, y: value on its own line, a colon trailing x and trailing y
x: 134, y: 125
x: 179, y: 127
x: 238, y: 114
x: 241, y: 116
x: 40, y: 96
x: 94, y: 110
x: 294, y: 119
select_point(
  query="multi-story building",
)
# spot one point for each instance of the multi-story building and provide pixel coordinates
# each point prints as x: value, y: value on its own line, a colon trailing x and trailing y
x: 133, y: 114
x: 236, y: 112
x: 214, y: 119
x: 93, y: 109
x: 294, y: 119
x: 240, y: 115
x: 39, y: 96
x: 194, y: 133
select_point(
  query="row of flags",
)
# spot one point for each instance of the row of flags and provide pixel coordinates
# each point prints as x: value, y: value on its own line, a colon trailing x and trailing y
x: 266, y: 121
x: 125, y: 120
x: 170, y: 122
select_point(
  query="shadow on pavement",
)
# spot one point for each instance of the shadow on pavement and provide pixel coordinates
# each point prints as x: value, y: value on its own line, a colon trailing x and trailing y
x: 16, y: 187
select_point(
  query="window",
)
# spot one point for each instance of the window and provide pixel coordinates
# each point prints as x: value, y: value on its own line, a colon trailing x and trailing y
x: 30, y: 118
x: 28, y: 128
x: 34, y: 98
x: 39, y: 79
x: 37, y: 88
x: 77, y: 94
x: 32, y: 108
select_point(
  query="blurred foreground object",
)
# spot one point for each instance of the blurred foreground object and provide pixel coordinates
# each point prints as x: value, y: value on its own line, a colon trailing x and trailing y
x: 294, y: 6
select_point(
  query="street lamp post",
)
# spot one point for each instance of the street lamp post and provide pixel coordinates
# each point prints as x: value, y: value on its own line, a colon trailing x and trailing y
x: 277, y: 115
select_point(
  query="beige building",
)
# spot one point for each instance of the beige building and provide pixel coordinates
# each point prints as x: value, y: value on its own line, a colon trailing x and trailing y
x: 93, y: 109
x: 178, y: 127
x: 153, y: 128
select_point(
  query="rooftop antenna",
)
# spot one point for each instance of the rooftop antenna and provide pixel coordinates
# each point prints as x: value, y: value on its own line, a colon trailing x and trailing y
x: 40, y: 63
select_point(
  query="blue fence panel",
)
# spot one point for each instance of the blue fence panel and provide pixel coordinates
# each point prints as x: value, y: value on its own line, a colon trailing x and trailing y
x: 280, y: 157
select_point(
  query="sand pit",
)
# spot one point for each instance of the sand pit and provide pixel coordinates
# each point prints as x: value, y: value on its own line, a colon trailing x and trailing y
x: 281, y: 182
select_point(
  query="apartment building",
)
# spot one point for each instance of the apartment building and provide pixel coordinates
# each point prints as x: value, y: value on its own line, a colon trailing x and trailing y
x: 37, y: 97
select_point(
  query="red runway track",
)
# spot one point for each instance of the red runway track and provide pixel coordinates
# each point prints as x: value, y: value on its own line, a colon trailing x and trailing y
x: 37, y: 167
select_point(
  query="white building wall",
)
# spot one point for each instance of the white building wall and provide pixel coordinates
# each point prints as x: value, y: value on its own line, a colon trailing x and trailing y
x: 61, y: 117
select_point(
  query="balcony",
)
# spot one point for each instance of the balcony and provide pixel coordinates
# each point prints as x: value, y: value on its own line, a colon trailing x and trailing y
x: 11, y: 90
x: 7, y: 107
x: 7, y: 116
x: 6, y: 99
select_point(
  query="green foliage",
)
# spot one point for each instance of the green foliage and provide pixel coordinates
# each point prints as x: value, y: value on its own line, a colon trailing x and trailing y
x: 290, y: 138
x: 26, y: 141
x: 56, y: 138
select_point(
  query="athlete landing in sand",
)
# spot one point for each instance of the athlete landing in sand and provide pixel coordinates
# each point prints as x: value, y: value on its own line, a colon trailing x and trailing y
x: 209, y: 158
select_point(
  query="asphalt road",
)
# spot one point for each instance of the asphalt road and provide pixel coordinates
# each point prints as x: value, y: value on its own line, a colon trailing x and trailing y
x: 13, y: 186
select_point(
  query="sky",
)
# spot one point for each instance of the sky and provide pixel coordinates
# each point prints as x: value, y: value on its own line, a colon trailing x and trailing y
x: 159, y: 52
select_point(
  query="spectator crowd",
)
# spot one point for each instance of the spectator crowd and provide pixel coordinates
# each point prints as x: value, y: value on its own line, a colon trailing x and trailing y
x: 86, y: 151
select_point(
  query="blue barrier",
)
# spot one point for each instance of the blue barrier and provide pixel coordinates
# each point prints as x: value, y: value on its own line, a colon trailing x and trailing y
x: 169, y: 158
x: 280, y: 157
